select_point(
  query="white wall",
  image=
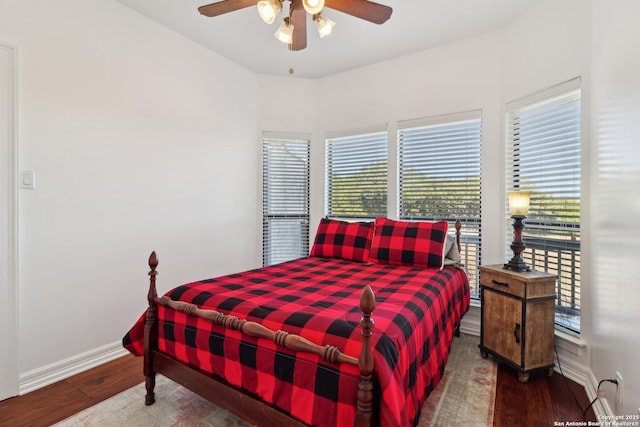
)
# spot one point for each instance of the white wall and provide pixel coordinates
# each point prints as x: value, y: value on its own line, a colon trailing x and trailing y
x: 615, y: 198
x: 289, y: 106
x: 454, y: 78
x: 140, y: 140
x: 8, y: 223
x: 547, y: 45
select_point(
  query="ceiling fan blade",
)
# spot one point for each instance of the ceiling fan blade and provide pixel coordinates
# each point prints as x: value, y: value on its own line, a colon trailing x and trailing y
x: 299, y: 20
x: 225, y: 6
x: 363, y: 9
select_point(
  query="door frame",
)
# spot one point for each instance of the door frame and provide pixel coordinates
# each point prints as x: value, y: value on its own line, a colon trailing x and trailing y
x: 9, y: 361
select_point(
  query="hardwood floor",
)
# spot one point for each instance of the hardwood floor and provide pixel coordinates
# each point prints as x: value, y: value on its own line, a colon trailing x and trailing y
x: 540, y: 402
x: 58, y: 401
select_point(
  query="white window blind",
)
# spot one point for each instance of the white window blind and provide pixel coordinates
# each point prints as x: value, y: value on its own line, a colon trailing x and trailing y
x: 356, y: 176
x: 439, y: 177
x: 543, y: 155
x: 285, y: 195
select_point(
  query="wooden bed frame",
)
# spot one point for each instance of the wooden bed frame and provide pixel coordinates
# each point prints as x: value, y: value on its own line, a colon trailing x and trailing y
x: 233, y: 399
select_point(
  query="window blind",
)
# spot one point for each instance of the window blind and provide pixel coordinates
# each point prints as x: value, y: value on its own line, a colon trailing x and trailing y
x: 439, y: 177
x: 285, y: 199
x: 544, y: 156
x: 356, y: 176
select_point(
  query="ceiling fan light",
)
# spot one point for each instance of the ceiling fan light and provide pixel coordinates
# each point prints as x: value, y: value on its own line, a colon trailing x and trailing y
x: 269, y: 9
x: 324, y: 25
x: 285, y: 32
x: 313, y: 6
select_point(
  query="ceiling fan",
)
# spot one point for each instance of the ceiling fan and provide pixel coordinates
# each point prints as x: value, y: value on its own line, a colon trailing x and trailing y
x: 293, y: 30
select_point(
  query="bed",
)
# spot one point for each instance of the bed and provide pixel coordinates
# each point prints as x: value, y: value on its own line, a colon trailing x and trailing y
x: 296, y: 343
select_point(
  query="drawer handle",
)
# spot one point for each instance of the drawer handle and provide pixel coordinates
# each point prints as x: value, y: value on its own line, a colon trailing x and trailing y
x: 516, y: 333
x: 495, y: 282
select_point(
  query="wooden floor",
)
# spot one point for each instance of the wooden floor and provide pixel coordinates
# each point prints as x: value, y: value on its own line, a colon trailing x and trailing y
x: 540, y: 402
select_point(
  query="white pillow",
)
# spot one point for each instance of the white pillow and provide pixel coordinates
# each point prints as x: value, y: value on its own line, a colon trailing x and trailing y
x: 451, y: 252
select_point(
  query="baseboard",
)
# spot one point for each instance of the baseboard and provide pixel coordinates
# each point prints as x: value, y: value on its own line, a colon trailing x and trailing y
x: 572, y: 358
x: 41, y: 377
x: 601, y: 406
x: 573, y: 355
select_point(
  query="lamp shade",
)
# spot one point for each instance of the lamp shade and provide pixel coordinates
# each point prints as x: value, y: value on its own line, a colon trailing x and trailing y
x: 313, y: 6
x: 269, y: 9
x: 285, y: 32
x: 324, y: 25
x: 519, y: 202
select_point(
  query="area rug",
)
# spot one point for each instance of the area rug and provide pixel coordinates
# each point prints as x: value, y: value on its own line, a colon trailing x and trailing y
x: 465, y: 396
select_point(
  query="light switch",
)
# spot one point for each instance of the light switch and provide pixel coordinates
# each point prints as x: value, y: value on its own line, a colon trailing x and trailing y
x: 27, y: 180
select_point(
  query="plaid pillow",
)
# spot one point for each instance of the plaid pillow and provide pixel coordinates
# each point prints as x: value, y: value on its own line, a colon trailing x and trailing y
x: 419, y: 244
x: 350, y: 241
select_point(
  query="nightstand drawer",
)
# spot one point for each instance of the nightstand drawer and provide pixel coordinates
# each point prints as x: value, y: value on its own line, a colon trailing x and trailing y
x: 503, y: 283
x: 528, y: 284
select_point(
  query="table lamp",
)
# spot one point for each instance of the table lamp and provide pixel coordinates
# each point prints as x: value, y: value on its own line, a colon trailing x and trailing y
x: 518, y: 207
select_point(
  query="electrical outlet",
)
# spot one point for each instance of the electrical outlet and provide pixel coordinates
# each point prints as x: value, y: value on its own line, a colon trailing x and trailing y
x: 619, y: 389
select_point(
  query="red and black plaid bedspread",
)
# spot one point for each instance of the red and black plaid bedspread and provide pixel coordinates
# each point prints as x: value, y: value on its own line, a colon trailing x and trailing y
x: 318, y: 298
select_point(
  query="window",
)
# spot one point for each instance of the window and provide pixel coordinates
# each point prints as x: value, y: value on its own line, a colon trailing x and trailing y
x: 285, y: 199
x: 356, y: 176
x: 439, y: 177
x: 543, y: 155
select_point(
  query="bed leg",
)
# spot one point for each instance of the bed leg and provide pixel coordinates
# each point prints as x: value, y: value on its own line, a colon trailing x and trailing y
x: 150, y: 384
x: 457, y: 331
x: 364, y: 410
x: 150, y: 329
x: 151, y: 332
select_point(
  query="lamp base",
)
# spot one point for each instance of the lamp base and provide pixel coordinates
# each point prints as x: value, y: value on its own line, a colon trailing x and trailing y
x: 516, y: 265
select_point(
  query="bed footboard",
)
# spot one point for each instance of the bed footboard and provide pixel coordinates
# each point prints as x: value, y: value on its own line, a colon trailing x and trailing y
x: 365, y: 401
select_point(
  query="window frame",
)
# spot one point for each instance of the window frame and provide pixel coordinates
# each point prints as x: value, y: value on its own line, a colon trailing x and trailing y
x: 560, y: 255
x: 444, y: 132
x: 299, y: 219
x: 364, y: 145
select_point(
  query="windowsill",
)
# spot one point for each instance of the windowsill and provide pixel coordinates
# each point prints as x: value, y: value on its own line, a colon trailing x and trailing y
x: 571, y: 337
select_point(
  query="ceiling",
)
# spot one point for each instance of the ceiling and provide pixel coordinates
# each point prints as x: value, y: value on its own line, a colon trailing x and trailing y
x: 243, y: 38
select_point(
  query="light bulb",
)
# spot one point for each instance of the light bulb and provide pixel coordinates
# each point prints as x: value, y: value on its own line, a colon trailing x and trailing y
x: 285, y: 32
x: 313, y: 6
x: 269, y: 9
x: 324, y: 25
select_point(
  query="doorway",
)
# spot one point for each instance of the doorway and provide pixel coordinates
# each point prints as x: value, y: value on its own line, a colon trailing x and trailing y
x: 9, y: 363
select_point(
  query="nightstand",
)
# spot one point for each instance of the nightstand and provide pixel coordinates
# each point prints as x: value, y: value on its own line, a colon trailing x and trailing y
x: 517, y: 318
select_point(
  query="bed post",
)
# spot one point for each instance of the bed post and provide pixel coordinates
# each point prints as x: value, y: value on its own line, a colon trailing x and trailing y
x: 151, y: 332
x: 364, y: 409
x: 458, y: 227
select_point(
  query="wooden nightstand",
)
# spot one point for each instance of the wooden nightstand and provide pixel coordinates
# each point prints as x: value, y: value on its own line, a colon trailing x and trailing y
x: 517, y: 318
